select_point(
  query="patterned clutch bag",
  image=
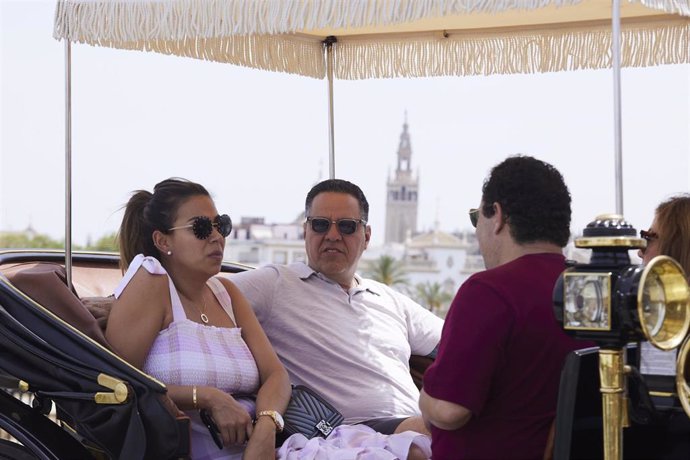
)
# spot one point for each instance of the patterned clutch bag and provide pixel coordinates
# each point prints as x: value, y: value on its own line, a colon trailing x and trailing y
x: 309, y: 414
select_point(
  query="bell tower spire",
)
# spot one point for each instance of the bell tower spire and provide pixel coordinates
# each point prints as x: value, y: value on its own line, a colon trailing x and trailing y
x: 401, y: 200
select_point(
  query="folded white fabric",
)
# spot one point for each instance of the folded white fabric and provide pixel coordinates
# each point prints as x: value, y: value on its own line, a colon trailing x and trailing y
x: 348, y: 442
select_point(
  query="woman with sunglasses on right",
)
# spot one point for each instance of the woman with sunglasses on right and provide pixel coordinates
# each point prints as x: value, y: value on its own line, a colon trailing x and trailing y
x: 197, y: 333
x: 669, y: 233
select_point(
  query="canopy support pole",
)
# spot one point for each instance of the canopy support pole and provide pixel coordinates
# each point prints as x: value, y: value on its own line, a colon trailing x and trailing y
x: 68, y: 162
x: 328, y: 50
x: 617, y: 128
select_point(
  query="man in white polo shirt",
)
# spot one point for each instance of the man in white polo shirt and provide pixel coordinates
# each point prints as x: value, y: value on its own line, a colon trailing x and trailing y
x: 346, y: 337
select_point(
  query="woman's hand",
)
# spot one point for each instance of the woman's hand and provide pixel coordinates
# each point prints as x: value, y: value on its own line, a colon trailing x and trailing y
x: 262, y: 441
x: 232, y: 419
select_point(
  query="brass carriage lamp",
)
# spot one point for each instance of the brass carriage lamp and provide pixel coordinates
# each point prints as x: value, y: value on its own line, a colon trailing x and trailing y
x: 612, y: 302
x: 683, y: 375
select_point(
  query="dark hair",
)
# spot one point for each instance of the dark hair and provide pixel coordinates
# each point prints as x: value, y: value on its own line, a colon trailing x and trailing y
x: 146, y: 212
x: 673, y: 227
x: 534, y: 199
x: 339, y: 186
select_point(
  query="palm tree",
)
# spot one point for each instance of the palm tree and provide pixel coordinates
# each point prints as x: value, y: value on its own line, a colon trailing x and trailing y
x: 432, y: 295
x: 387, y: 270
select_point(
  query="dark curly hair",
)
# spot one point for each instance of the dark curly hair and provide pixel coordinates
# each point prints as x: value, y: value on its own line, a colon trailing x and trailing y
x: 339, y: 186
x: 534, y: 199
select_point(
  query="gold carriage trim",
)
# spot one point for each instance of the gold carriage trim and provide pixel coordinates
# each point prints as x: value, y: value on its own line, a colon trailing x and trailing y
x: 610, y: 242
x: 119, y: 394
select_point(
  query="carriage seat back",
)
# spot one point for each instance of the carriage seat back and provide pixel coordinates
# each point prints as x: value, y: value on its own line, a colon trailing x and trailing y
x: 46, y: 283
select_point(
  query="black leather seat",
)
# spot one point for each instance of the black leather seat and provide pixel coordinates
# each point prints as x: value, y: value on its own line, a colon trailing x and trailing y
x: 115, y: 409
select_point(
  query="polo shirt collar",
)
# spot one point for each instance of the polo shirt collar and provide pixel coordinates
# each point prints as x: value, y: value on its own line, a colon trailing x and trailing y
x: 304, y: 271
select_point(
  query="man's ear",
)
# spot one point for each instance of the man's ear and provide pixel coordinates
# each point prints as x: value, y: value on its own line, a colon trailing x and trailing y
x: 162, y: 241
x: 367, y: 236
x: 500, y: 221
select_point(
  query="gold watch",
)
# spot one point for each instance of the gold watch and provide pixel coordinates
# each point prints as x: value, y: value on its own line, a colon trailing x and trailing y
x: 275, y: 416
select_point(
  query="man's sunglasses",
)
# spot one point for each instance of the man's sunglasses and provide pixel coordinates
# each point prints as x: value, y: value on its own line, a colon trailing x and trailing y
x: 344, y: 226
x: 474, y: 216
x: 202, y: 226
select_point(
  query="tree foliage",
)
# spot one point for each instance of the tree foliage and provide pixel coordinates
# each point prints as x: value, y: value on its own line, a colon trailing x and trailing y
x: 387, y: 270
x: 26, y: 240
x: 30, y: 240
x: 432, y: 295
x: 106, y: 243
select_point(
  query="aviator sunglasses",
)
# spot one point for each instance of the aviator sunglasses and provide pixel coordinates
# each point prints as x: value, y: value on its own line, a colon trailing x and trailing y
x: 344, y: 226
x: 202, y: 226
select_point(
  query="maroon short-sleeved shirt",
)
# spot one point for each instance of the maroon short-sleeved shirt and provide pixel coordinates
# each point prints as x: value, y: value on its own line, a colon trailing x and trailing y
x: 500, y: 356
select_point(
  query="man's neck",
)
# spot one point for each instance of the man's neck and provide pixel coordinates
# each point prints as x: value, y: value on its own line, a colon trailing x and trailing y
x: 515, y: 250
x: 346, y: 284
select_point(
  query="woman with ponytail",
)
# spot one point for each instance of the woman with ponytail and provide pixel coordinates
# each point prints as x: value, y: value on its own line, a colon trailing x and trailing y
x: 193, y: 331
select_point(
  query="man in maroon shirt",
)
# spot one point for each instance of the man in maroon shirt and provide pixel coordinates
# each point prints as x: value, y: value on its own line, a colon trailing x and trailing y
x: 492, y: 390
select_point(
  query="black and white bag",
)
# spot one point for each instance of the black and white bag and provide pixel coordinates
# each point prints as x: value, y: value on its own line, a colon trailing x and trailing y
x: 309, y: 414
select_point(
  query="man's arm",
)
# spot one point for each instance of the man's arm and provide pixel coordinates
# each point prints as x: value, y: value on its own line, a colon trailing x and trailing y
x: 257, y: 286
x: 423, y: 327
x: 442, y: 414
x: 433, y: 353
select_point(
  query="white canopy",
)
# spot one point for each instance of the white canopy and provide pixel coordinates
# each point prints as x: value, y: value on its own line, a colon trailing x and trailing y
x: 388, y: 38
x: 357, y: 39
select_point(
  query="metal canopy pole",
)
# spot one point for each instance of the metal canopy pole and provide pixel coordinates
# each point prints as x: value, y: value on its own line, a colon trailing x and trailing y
x: 328, y: 50
x: 68, y: 162
x: 617, y: 127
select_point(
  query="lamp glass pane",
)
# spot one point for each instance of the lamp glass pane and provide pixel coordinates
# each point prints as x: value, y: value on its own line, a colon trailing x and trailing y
x: 587, y: 303
x: 653, y: 304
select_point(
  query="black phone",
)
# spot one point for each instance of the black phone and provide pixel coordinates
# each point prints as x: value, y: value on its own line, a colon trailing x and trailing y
x: 212, y: 427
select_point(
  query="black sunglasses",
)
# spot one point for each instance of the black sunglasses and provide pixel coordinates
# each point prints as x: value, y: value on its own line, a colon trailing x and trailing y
x: 344, y: 226
x: 474, y: 216
x: 648, y: 235
x: 202, y: 226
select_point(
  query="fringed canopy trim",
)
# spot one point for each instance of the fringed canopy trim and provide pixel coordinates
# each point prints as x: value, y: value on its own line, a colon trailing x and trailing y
x: 217, y: 30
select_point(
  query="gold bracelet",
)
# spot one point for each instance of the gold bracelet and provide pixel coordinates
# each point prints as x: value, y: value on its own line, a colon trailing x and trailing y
x: 194, y: 401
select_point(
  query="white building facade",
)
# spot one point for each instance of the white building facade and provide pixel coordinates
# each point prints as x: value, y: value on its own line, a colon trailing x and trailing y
x: 254, y: 242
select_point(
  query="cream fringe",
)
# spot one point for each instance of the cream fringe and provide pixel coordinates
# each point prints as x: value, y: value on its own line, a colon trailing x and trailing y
x: 532, y: 51
x: 256, y: 33
x: 128, y: 20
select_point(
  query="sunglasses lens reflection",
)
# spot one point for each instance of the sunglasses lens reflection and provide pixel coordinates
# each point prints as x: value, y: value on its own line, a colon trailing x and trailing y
x: 202, y: 227
x: 347, y: 226
x: 474, y: 217
x: 320, y: 225
x: 224, y: 224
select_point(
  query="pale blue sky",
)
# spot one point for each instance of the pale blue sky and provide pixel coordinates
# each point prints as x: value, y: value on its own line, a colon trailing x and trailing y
x: 258, y: 140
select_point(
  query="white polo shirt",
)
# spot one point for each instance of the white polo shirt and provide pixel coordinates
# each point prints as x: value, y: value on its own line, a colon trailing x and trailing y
x: 352, y: 347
